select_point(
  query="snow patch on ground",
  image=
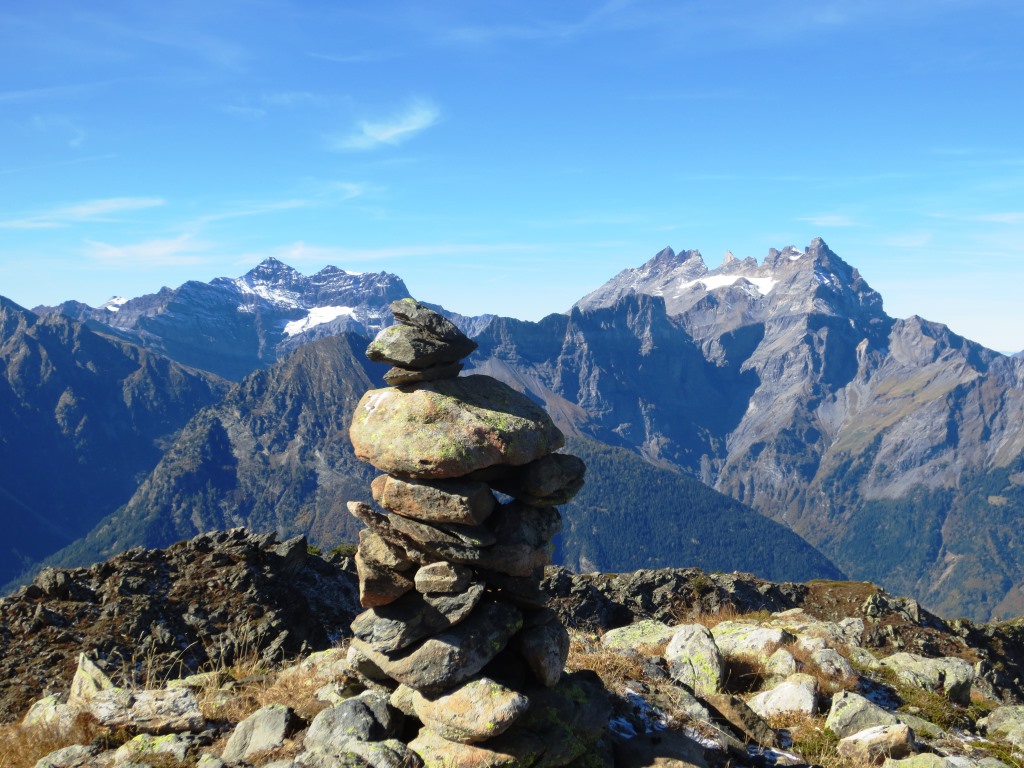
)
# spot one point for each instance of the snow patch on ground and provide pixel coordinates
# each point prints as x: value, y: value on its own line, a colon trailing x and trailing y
x: 316, y: 316
x: 114, y: 303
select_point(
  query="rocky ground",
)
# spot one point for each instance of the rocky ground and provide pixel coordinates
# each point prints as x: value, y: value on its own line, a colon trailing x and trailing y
x: 229, y: 650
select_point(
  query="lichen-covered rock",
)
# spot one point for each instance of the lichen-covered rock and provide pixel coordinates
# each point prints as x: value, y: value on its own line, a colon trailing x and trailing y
x: 949, y: 676
x: 744, y: 719
x: 740, y: 638
x: 408, y: 347
x: 647, y: 632
x: 89, y: 680
x: 1007, y: 723
x: 476, y: 711
x: 694, y: 659
x: 851, y: 713
x: 449, y: 428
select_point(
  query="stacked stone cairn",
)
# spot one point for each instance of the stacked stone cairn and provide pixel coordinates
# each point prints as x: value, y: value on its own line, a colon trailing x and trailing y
x: 455, y: 621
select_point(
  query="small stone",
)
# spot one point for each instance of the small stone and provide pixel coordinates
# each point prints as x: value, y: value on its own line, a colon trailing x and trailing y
x: 441, y: 662
x: 382, y: 552
x: 399, y: 377
x: 438, y: 501
x: 263, y: 730
x: 413, y: 616
x: 476, y: 711
x: 442, y: 578
x: 545, y: 649
x: 377, y: 585
x: 53, y: 715
x: 89, y: 680
x: 780, y: 665
x: 76, y: 756
x: 552, y: 479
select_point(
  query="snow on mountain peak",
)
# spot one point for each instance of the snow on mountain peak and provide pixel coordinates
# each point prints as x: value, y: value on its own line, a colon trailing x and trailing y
x: 114, y: 303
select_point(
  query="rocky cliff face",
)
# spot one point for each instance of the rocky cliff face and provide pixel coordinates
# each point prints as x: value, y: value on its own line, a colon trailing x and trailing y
x: 232, y: 326
x: 785, y: 385
x: 83, y: 418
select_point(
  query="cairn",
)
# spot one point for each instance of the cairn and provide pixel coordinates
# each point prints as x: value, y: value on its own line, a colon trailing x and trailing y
x: 456, y: 623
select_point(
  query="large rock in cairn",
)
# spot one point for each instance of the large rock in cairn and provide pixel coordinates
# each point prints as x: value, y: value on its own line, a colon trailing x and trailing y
x: 456, y: 622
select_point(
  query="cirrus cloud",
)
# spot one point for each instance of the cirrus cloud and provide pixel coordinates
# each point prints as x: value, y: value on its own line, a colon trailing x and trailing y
x: 369, y: 134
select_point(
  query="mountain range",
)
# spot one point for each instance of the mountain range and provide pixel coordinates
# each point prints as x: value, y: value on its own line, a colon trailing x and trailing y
x: 891, y: 446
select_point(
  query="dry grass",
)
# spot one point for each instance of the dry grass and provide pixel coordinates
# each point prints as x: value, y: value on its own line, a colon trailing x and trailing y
x: 616, y: 669
x: 21, y: 746
x: 813, y: 741
x: 727, y: 612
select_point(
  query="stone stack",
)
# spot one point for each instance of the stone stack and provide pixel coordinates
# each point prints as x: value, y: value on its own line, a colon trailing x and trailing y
x: 450, y: 576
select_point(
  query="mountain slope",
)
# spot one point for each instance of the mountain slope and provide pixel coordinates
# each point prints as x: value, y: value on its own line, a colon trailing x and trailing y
x: 619, y: 522
x: 84, y: 418
x: 273, y: 455
x: 785, y: 385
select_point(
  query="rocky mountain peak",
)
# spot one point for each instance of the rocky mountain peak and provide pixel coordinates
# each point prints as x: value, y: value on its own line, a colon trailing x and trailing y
x: 272, y: 270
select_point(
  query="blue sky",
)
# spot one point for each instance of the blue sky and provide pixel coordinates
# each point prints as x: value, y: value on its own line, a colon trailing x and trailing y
x: 510, y: 157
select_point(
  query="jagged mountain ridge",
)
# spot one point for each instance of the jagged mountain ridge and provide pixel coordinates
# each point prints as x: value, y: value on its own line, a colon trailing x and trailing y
x: 232, y: 326
x: 785, y: 385
x: 84, y: 419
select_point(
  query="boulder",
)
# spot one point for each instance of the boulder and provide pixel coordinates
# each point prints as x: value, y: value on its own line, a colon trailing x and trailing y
x: 76, y: 756
x: 874, y: 745
x: 949, y: 676
x: 694, y: 659
x: 450, y: 427
x: 407, y: 347
x: 780, y: 665
x: 263, y: 730
x: 643, y: 633
x: 53, y: 715
x: 798, y: 694
x: 476, y: 711
x: 666, y: 749
x: 171, y: 710
x: 438, y: 501
x: 174, y: 745
x: 439, y: 663
x: 379, y: 585
x: 851, y: 713
x: 833, y: 665
x: 1006, y: 723
x: 737, y: 638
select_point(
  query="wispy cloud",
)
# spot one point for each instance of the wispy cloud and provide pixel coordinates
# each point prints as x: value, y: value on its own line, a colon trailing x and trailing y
x: 416, y: 117
x: 248, y: 113
x: 61, y: 164
x: 1007, y: 217
x: 59, y: 124
x: 829, y: 220
x: 176, y: 251
x: 49, y: 92
x: 291, y: 98
x: 254, y: 209
x: 90, y: 210
x: 367, y: 57
x: 302, y: 251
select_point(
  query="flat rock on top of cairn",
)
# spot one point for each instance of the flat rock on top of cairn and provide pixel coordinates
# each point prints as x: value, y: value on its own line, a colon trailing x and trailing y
x: 449, y: 428
x: 422, y: 338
